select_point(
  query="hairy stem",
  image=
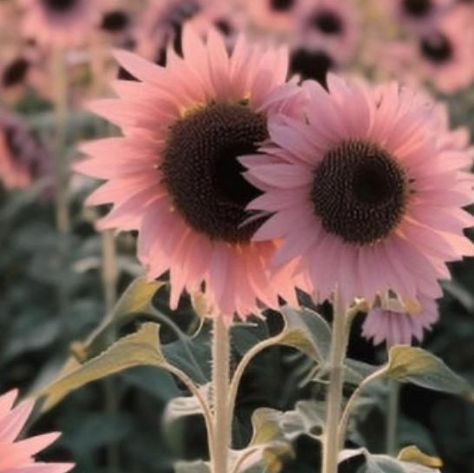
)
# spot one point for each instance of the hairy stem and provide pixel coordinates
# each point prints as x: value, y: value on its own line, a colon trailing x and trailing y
x: 339, y: 342
x: 220, y: 385
x: 343, y: 423
x: 392, y: 418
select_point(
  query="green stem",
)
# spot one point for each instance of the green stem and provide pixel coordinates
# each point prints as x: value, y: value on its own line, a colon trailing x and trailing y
x: 334, y: 399
x: 109, y: 284
x: 220, y: 386
x: 351, y: 403
x: 63, y: 224
x: 392, y: 418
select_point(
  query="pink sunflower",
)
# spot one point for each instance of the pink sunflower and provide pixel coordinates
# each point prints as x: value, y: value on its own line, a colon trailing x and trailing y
x: 277, y: 16
x: 62, y: 23
x: 175, y: 176
x: 332, y: 25
x: 17, y: 456
x: 365, y: 191
x: 397, y: 325
x: 445, y: 54
x: 419, y: 15
x: 162, y: 23
x: 23, y: 159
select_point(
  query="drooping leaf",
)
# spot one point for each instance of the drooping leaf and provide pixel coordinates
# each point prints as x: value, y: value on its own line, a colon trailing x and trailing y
x: 306, y: 331
x: 268, y: 447
x: 184, y: 406
x: 415, y: 365
x: 414, y: 455
x: 198, y: 466
x: 384, y: 463
x: 139, y: 349
x: 307, y: 418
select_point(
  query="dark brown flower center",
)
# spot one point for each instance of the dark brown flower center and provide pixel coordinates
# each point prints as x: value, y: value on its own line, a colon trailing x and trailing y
x: 359, y: 192
x: 437, y: 48
x: 224, y: 26
x: 15, y: 72
x: 327, y: 22
x: 11, y: 140
x: 311, y: 64
x: 60, y: 5
x: 417, y: 8
x: 115, y: 21
x: 203, y: 175
x: 281, y: 5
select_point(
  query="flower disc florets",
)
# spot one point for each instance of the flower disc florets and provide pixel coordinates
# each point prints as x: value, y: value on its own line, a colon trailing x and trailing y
x: 203, y: 175
x: 359, y: 192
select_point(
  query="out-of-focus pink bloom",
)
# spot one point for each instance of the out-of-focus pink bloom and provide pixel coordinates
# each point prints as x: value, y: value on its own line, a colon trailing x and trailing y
x: 419, y: 15
x: 17, y: 456
x: 445, y: 54
x: 23, y: 159
x: 60, y: 23
x: 397, y: 325
x: 275, y: 16
x: 331, y: 25
x: 162, y: 25
x: 364, y: 192
x: 175, y: 176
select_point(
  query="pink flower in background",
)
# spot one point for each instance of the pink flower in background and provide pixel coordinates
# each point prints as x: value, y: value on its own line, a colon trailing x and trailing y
x: 419, y: 15
x: 175, y: 176
x: 312, y: 62
x: 277, y: 16
x: 445, y: 53
x: 23, y: 159
x: 364, y: 192
x: 162, y: 24
x: 60, y: 23
x: 118, y: 26
x: 332, y: 25
x: 17, y: 456
x: 398, y: 326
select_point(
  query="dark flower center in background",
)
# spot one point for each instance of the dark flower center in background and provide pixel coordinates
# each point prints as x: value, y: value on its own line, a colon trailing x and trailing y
x: 418, y: 8
x: 115, y: 21
x: 311, y: 64
x: 11, y: 140
x: 281, y: 5
x: 437, y: 48
x: 327, y: 22
x: 203, y: 175
x: 60, y: 5
x: 15, y: 72
x: 224, y: 26
x: 359, y: 192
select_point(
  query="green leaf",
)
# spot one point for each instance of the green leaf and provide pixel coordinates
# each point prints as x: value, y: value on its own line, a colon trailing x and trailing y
x: 415, y: 365
x: 139, y: 349
x: 192, y: 467
x: 184, y: 406
x: 268, y: 447
x: 356, y: 371
x: 307, y: 418
x: 384, y: 463
x: 134, y: 301
x: 414, y: 455
x: 306, y: 331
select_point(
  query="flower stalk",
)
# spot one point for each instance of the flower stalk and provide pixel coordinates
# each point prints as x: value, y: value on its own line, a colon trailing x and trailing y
x: 222, y: 419
x: 61, y: 178
x: 340, y: 329
x: 392, y: 418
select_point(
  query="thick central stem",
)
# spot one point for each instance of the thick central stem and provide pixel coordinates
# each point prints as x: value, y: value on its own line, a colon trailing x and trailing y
x: 336, y: 382
x: 220, y: 388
